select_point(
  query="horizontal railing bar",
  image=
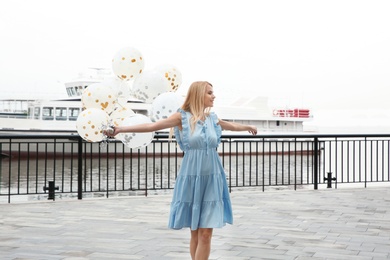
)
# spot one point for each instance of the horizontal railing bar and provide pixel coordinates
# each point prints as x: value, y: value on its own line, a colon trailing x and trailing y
x: 228, y: 136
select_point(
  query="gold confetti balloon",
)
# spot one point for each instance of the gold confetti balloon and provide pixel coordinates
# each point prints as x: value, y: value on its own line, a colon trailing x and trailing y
x: 99, y: 95
x: 121, y: 89
x: 89, y: 124
x: 121, y: 113
x: 172, y: 75
x: 128, y: 63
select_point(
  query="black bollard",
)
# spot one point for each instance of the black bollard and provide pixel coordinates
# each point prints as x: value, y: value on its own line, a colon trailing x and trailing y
x: 51, y: 188
x: 329, y: 180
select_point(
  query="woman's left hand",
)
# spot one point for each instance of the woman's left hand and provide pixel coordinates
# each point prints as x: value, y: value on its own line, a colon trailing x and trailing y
x: 252, y: 130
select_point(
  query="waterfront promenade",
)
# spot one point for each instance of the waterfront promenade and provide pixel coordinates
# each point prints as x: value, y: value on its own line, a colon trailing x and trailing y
x: 347, y: 223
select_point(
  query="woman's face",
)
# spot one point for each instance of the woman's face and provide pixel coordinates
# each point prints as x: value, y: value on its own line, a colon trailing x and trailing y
x: 209, y: 97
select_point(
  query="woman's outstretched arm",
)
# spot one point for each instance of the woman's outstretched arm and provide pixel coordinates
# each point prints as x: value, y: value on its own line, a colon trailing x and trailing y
x: 172, y: 121
x: 232, y: 126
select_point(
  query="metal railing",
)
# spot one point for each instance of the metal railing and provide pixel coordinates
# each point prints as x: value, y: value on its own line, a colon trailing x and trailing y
x: 41, y: 167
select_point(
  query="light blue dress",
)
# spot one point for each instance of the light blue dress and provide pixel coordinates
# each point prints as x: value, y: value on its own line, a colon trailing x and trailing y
x: 201, y: 197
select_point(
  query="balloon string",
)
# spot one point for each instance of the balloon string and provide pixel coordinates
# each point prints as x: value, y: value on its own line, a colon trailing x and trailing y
x: 119, y: 94
x: 106, y: 127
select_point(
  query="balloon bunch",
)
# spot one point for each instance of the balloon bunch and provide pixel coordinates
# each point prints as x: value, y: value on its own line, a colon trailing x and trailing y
x: 105, y: 104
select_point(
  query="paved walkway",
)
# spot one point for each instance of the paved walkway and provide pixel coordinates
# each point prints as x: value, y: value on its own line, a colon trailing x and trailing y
x: 304, y: 224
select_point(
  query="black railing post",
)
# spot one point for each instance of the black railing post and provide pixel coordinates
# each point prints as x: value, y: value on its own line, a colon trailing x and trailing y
x: 9, y: 170
x: 316, y: 166
x: 1, y: 166
x: 80, y: 169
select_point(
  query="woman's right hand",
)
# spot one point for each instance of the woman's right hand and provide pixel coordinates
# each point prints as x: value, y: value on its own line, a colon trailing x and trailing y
x: 111, y: 131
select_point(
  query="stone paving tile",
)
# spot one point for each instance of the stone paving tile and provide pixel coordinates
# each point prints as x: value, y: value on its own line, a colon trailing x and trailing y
x: 304, y: 224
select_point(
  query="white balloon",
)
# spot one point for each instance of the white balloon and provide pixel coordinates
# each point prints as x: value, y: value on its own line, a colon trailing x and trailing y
x: 121, y: 113
x: 89, y: 124
x: 149, y: 85
x: 120, y: 87
x: 172, y: 75
x: 165, y: 105
x: 135, y: 140
x: 99, y: 95
x: 128, y: 63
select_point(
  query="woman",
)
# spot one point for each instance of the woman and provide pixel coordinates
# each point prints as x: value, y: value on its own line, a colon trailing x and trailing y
x: 201, y: 199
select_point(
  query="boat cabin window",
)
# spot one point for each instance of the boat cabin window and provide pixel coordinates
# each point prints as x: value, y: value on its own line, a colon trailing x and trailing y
x: 61, y: 113
x: 75, y: 90
x: 79, y: 90
x: 37, y: 112
x: 48, y: 113
x: 73, y: 113
x: 70, y: 91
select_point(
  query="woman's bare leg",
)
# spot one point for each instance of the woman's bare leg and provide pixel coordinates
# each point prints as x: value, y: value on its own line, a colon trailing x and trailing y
x: 193, y: 243
x: 200, y: 245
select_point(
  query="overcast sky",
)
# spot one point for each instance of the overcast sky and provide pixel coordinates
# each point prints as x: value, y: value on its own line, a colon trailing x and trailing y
x: 315, y: 54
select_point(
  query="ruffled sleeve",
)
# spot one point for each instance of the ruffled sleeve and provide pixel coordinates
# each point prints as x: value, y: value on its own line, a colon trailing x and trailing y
x: 217, y: 127
x: 183, y: 135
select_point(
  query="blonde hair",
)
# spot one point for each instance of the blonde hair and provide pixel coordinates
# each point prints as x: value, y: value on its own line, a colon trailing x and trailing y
x: 194, y: 102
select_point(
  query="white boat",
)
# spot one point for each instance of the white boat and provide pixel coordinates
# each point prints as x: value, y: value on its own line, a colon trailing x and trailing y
x: 255, y: 111
x: 56, y: 115
x: 59, y: 115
